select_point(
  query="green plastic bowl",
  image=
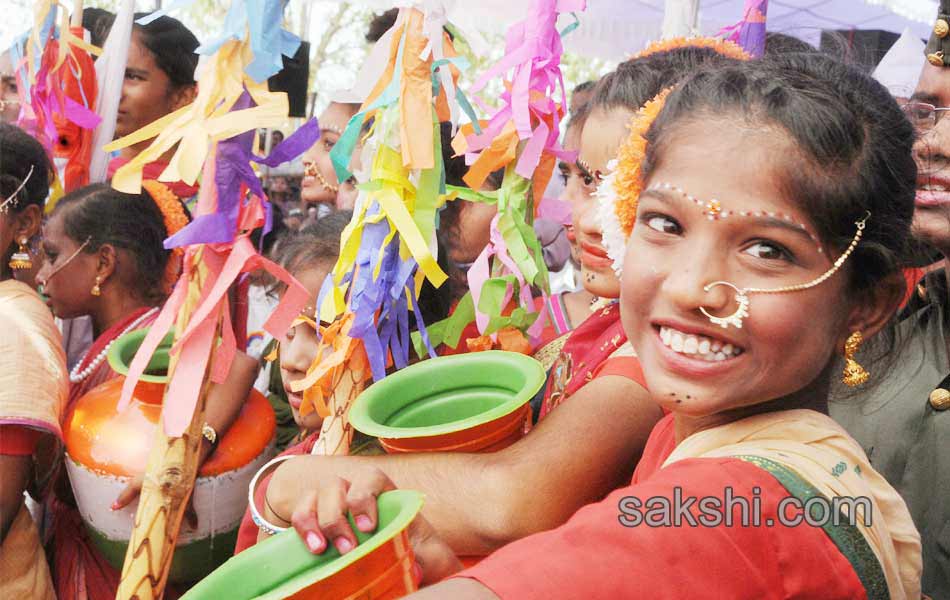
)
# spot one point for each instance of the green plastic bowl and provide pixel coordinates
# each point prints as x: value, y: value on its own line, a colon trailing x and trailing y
x: 123, y: 351
x: 447, y: 394
x: 281, y: 566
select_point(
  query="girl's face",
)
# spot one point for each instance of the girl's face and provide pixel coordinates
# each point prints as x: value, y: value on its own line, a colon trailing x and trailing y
x: 298, y: 349
x: 579, y: 187
x: 68, y: 274
x: 147, y: 93
x: 474, y: 232
x: 320, y: 184
x: 692, y: 367
x: 600, y: 141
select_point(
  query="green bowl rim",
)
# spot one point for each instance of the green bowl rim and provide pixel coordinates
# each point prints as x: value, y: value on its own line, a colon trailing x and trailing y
x: 136, y: 338
x: 528, y: 366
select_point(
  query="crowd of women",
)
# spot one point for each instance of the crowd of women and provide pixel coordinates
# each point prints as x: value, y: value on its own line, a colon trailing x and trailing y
x: 739, y: 320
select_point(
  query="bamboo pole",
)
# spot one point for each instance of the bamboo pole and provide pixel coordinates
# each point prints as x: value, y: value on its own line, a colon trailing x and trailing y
x: 169, y: 480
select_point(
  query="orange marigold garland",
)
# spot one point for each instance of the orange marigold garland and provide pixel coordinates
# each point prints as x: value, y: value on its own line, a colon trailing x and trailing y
x: 724, y: 47
x: 175, y: 220
x: 620, y: 190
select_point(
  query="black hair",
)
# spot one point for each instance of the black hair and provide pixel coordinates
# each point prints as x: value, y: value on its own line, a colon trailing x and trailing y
x: 853, y: 151
x: 380, y: 24
x: 637, y: 80
x: 97, y: 21
x: 277, y: 231
x: 780, y: 44
x: 131, y: 222
x: 584, y: 87
x: 20, y: 152
x: 315, y: 244
x: 171, y: 43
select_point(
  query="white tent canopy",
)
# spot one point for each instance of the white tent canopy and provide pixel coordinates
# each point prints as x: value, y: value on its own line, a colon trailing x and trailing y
x: 613, y: 29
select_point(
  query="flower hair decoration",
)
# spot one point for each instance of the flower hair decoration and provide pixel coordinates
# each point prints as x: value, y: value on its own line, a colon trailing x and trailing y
x: 621, y: 187
x: 175, y: 220
x: 619, y: 192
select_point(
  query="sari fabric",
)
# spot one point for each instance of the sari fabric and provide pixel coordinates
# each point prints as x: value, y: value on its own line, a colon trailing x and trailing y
x: 582, y: 352
x: 597, y: 555
x: 32, y: 396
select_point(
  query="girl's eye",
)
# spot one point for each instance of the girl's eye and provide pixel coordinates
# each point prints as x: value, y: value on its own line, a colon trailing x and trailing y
x: 589, y: 180
x: 328, y: 144
x: 663, y: 224
x: 768, y: 251
x: 565, y: 177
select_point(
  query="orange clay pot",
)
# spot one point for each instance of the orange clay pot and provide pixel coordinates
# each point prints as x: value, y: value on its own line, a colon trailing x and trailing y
x: 106, y: 448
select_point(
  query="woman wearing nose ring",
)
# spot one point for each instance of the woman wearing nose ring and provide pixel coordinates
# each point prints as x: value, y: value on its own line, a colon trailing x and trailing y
x: 105, y: 258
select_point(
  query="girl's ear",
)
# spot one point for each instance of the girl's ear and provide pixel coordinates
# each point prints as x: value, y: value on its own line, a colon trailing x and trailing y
x: 27, y: 222
x: 107, y: 260
x: 184, y: 96
x: 877, y: 306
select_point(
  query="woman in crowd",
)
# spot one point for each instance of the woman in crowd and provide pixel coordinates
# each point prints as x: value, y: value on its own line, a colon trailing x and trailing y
x: 904, y: 424
x: 791, y: 256
x: 33, y: 383
x: 159, y: 79
x: 480, y: 502
x: 308, y: 255
x: 320, y: 184
x: 105, y: 258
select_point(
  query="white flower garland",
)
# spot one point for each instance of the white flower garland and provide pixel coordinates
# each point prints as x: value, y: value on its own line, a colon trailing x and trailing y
x: 614, y: 240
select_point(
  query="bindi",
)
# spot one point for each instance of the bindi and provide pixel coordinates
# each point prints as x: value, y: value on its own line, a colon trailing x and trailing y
x: 714, y: 211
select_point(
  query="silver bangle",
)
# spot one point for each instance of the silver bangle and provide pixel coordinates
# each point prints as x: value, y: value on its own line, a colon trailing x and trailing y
x: 259, y: 520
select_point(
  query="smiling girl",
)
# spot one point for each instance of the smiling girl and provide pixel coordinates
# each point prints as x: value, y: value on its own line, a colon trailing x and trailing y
x: 775, y: 210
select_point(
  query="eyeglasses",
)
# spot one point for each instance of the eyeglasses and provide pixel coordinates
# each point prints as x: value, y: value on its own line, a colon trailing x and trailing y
x: 923, y: 116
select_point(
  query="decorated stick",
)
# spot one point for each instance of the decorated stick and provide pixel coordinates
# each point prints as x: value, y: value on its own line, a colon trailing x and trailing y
x: 169, y: 479
x: 749, y: 32
x: 385, y: 251
x: 232, y: 102
x: 521, y: 137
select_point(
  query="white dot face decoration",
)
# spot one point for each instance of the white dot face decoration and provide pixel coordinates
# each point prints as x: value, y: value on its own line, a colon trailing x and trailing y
x: 714, y: 211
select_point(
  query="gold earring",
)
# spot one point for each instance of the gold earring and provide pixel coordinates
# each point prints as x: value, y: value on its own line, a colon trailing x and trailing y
x: 21, y: 261
x: 96, y: 290
x: 854, y: 374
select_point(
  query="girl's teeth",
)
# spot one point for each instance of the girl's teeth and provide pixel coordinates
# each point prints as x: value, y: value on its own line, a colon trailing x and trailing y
x: 677, y: 343
x: 690, y: 345
x: 699, y: 346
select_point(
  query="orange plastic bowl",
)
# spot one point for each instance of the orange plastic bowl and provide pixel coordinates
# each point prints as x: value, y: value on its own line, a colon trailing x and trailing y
x: 475, y: 402
x: 380, y: 567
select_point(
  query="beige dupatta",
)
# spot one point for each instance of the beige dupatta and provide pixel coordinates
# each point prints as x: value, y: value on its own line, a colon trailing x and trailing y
x: 33, y: 391
x: 822, y: 453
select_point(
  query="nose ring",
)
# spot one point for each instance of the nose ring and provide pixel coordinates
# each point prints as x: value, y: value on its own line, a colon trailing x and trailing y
x: 742, y: 309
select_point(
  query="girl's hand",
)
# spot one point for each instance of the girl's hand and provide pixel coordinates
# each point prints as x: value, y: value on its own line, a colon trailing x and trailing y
x: 320, y: 519
x: 134, y: 489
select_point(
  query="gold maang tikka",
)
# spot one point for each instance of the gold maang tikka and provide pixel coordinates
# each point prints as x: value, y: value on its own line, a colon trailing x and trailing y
x: 742, y: 294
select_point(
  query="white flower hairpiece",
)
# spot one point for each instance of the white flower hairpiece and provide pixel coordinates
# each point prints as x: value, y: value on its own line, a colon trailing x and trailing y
x: 613, y: 238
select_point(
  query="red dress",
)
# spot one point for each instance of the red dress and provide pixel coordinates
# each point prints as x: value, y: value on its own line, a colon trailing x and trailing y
x: 594, y: 556
x: 80, y: 572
